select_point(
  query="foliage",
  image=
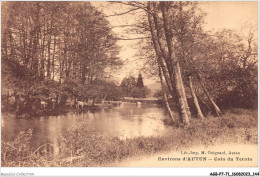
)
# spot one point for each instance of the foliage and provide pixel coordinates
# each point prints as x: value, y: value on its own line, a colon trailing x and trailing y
x: 54, y: 51
x: 131, y: 88
x: 128, y: 84
x: 104, y: 90
x: 231, y: 72
x: 140, y: 92
x: 17, y: 150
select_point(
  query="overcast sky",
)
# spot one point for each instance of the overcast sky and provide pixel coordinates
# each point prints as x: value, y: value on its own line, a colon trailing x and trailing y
x: 220, y: 15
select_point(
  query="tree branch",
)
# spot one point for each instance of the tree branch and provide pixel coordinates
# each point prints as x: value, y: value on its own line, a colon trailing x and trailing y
x: 132, y: 5
x: 123, y: 12
x: 138, y: 38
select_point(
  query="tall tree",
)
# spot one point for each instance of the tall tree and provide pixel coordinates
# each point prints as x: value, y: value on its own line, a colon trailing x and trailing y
x: 140, y: 82
x: 167, y: 58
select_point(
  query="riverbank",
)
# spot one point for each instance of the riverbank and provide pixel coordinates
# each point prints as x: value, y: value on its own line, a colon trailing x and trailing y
x: 43, y: 112
x: 83, y: 147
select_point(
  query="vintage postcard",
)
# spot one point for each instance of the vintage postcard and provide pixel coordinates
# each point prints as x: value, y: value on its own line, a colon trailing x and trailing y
x: 129, y: 84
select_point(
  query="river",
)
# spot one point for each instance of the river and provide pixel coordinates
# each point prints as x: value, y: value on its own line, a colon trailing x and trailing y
x: 127, y: 121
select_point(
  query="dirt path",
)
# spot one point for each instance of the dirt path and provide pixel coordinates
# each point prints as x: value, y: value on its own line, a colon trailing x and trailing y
x: 215, y: 156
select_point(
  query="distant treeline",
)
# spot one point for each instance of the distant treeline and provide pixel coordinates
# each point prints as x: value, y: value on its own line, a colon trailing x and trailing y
x: 54, y: 52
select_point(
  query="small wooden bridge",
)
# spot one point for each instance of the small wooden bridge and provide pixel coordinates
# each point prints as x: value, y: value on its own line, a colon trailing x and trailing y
x: 133, y: 100
x: 141, y: 100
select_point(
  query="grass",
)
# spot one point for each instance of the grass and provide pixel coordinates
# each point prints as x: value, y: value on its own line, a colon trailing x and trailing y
x: 84, y: 148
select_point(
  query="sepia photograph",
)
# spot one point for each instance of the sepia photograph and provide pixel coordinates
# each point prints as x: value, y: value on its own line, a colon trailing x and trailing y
x: 129, y: 84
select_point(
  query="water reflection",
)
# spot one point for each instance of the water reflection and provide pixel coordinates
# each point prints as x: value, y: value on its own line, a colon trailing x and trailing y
x: 125, y: 121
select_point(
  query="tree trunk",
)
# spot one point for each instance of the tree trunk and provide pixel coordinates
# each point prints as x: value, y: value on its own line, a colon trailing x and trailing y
x: 165, y: 97
x: 160, y: 66
x: 16, y: 100
x: 160, y: 51
x: 49, y: 47
x: 174, y: 81
x: 53, y: 59
x: 83, y: 79
x: 178, y: 86
x: 35, y: 39
x: 217, y: 110
x: 7, y: 97
x: 180, y: 96
x: 186, y: 106
x: 42, y: 52
x: 63, y: 100
x: 195, y: 100
x: 49, y: 59
x: 64, y: 70
x: 104, y: 99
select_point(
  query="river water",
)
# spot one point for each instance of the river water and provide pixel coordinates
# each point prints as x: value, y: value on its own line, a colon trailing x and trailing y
x: 127, y: 121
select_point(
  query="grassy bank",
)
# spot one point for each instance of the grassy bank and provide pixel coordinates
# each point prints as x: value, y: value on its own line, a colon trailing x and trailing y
x: 83, y: 147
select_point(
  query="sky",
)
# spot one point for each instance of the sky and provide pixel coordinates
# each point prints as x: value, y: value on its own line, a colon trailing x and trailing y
x: 231, y: 15
x: 220, y: 15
